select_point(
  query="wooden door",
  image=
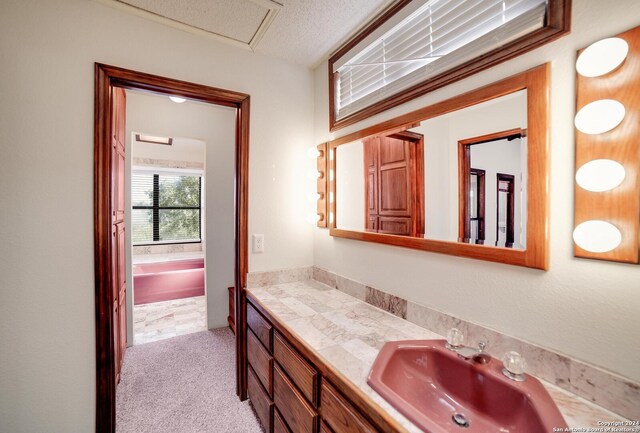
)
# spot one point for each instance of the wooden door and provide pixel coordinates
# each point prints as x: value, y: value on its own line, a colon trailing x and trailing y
x: 371, y: 183
x: 116, y: 341
x: 394, y: 186
x: 118, y: 270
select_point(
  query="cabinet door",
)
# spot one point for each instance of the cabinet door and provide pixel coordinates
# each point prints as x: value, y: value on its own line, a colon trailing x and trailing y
x: 121, y: 256
x: 122, y: 327
x: 118, y: 153
x: 116, y: 340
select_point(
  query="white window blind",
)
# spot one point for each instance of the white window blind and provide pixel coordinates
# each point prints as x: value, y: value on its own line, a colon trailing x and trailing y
x: 434, y: 37
x: 165, y: 208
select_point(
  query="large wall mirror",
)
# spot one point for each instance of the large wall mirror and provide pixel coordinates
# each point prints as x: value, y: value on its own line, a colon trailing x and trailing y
x: 467, y: 176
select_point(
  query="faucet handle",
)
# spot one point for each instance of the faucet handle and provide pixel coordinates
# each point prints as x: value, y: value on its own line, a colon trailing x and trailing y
x: 455, y: 338
x: 482, y: 345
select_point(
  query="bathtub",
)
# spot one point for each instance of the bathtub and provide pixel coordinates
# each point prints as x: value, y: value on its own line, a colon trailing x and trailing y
x: 164, y: 281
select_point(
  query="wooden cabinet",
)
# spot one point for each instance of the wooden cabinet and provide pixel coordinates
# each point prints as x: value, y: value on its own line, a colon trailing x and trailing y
x: 297, y: 413
x: 261, y: 361
x: 339, y: 414
x: 279, y: 426
x: 289, y: 389
x: 261, y: 402
x: 260, y: 326
x: 302, y: 374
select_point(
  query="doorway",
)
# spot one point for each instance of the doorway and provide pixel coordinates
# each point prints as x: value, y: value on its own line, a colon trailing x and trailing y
x: 168, y: 266
x: 108, y: 203
x: 489, y: 168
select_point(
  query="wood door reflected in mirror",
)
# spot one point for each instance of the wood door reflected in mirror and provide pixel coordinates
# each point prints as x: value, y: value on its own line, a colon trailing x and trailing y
x: 467, y: 176
x: 417, y: 182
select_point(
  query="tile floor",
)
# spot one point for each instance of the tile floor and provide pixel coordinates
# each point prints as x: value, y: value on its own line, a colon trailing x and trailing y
x: 161, y: 320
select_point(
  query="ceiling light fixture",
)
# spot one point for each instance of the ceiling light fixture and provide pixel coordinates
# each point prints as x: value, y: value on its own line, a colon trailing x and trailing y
x: 167, y: 141
x: 177, y: 99
x: 602, y: 57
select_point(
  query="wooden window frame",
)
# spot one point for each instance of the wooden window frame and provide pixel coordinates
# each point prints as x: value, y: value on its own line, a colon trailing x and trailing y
x: 156, y: 208
x: 106, y: 78
x: 558, y: 24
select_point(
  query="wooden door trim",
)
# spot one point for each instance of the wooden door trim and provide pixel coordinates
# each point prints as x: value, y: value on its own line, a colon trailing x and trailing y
x: 510, y: 206
x: 107, y: 77
x: 464, y: 168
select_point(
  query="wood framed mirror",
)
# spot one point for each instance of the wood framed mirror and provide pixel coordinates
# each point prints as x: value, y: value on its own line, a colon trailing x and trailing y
x: 467, y: 176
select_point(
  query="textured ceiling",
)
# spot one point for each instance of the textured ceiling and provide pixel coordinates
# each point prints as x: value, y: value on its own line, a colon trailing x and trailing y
x: 306, y: 31
x: 235, y: 19
x: 300, y: 31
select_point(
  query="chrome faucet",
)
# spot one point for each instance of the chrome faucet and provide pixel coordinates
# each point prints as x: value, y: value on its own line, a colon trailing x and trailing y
x: 476, y: 355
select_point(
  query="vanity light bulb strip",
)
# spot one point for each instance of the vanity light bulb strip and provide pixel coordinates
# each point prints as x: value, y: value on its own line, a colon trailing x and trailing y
x: 604, y: 212
x: 322, y: 184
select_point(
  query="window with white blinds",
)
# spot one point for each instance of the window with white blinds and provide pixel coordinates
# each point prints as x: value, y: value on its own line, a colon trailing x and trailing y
x: 424, y: 40
x: 166, y: 208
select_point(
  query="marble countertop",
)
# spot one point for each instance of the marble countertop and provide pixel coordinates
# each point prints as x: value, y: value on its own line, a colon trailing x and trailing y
x: 348, y: 333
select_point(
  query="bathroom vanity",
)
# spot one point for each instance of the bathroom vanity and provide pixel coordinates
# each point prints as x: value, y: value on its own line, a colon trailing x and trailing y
x: 310, y: 349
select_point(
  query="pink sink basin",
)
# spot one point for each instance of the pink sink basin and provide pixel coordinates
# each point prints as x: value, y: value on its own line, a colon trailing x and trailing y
x: 441, y: 392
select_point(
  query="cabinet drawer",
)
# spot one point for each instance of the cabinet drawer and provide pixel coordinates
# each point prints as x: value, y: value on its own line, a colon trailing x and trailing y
x: 261, y: 361
x: 293, y: 407
x: 279, y: 426
x: 260, y: 400
x: 259, y: 326
x: 339, y: 414
x: 301, y: 373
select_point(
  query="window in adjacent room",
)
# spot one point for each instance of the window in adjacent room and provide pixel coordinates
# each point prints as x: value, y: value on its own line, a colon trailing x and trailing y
x: 166, y: 208
x: 420, y: 45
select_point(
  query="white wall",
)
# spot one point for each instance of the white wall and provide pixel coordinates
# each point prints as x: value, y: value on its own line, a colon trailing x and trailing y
x: 586, y: 309
x: 215, y: 126
x: 441, y: 136
x: 48, y: 49
x: 495, y: 157
x: 350, y: 202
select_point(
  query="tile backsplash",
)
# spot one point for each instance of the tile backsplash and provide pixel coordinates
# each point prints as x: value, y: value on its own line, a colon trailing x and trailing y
x: 604, y: 388
x: 141, y: 250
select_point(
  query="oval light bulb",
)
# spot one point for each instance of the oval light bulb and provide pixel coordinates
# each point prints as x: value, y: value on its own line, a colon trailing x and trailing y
x: 177, y: 99
x: 600, y: 175
x: 602, y: 57
x: 597, y: 236
x: 599, y: 116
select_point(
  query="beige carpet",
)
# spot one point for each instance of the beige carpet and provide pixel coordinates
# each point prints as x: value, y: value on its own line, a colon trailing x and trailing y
x: 184, y: 384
